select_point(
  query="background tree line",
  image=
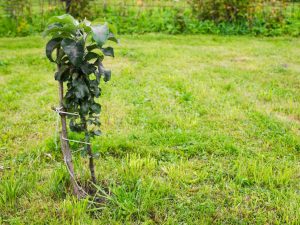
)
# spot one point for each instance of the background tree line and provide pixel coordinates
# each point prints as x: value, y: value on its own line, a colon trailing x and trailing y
x: 257, y: 17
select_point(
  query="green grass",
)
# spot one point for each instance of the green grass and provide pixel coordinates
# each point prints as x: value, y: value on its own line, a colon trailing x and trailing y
x: 196, y: 130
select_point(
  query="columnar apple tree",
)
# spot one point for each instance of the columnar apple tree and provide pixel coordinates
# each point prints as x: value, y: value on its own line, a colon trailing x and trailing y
x: 78, y: 50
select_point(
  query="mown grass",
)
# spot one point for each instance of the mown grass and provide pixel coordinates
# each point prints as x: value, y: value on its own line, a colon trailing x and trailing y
x: 196, y: 130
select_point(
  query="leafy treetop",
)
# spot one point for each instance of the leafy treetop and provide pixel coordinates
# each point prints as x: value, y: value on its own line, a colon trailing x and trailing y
x: 79, y: 50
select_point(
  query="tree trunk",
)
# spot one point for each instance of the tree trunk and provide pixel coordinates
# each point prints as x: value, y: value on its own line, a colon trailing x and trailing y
x: 77, y: 190
x: 89, y: 152
x: 91, y: 159
x: 68, y: 5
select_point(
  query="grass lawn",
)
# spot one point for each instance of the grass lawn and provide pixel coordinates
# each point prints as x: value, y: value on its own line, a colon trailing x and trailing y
x: 196, y: 130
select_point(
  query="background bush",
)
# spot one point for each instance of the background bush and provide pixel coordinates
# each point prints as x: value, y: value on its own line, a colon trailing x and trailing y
x: 80, y: 9
x: 220, y: 10
x: 238, y: 17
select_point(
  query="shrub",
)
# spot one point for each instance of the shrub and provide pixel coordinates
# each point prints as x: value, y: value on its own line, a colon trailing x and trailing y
x: 80, y: 8
x: 220, y: 10
x: 256, y: 17
x: 25, y: 23
x: 17, y: 8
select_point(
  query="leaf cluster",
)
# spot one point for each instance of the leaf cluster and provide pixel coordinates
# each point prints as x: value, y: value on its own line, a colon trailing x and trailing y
x: 78, y: 50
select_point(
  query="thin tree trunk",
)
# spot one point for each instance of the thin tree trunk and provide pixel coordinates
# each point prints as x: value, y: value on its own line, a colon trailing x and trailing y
x: 91, y: 159
x: 68, y: 5
x: 89, y: 152
x: 66, y: 148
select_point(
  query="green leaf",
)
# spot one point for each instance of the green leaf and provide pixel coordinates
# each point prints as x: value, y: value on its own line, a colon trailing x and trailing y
x: 74, y: 50
x: 58, y: 30
x: 97, y: 132
x: 100, y: 71
x: 98, y: 52
x: 62, y: 26
x: 80, y: 89
x: 87, y: 68
x: 96, y: 122
x: 95, y: 108
x: 94, y: 88
x: 52, y: 29
x: 61, y: 57
x: 75, y: 76
x: 62, y: 74
x: 100, y: 34
x: 86, y: 26
x: 76, y: 127
x: 51, y: 46
x: 93, y: 55
x: 77, y: 66
x: 112, y: 37
x: 107, y: 75
x: 91, y: 47
x: 103, y: 71
x: 109, y: 51
x: 112, y: 28
x: 84, y: 108
x: 64, y: 19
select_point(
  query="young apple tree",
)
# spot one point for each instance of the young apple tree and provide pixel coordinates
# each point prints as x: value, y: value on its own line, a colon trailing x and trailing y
x: 77, y: 48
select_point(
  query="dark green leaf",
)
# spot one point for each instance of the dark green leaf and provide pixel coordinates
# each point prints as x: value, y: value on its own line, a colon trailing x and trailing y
x: 70, y: 93
x: 107, y: 75
x: 100, y: 71
x: 90, y: 56
x: 62, y: 73
x: 95, y: 88
x: 95, y: 108
x: 103, y: 71
x: 78, y: 65
x: 87, y: 68
x: 93, y: 56
x: 96, y: 122
x: 98, y: 52
x: 84, y: 108
x: 91, y: 47
x: 51, y: 46
x: 80, y: 89
x: 109, y: 51
x: 74, y: 50
x: 60, y: 56
x: 76, y: 127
